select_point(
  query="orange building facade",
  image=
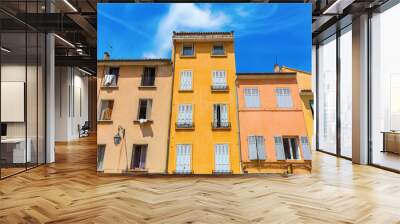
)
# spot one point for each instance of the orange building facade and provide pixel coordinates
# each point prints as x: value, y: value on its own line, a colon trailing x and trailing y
x: 273, y: 129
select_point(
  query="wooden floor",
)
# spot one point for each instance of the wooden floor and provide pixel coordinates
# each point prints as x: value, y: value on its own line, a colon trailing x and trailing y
x: 70, y: 191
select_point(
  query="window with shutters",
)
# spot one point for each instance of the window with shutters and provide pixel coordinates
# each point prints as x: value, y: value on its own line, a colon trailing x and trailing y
x: 149, y: 76
x: 101, y: 149
x: 185, y: 117
x: 221, y: 158
x: 186, y: 80
x: 256, y: 147
x: 111, y: 77
x: 284, y: 98
x: 219, y: 81
x: 138, y: 159
x: 144, y: 109
x: 187, y: 50
x: 291, y: 148
x: 218, y: 49
x: 106, y: 108
x: 252, y: 97
x: 183, y: 158
x: 305, y: 146
x: 220, y: 116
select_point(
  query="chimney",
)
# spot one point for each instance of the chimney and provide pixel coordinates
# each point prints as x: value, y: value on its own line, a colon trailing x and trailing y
x: 277, y: 68
x: 106, y: 56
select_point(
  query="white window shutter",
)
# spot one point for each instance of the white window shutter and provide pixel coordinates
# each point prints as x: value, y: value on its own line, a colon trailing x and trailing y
x: 224, y: 113
x: 189, y: 114
x: 252, y: 147
x: 261, y: 147
x: 179, y: 158
x: 215, y: 118
x: 280, y: 152
x: 247, y: 97
x: 183, y: 158
x: 305, y: 146
x: 222, y: 163
x: 181, y: 114
x: 186, y: 80
x: 256, y: 98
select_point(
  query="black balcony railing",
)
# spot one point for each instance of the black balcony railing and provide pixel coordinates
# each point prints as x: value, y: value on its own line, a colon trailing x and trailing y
x: 184, y: 125
x: 221, y: 125
x: 219, y: 88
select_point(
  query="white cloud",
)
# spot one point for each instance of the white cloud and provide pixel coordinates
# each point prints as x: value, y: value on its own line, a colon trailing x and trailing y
x: 185, y: 17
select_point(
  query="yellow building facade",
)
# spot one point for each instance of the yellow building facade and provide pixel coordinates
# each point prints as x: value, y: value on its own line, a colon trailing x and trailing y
x: 204, y: 130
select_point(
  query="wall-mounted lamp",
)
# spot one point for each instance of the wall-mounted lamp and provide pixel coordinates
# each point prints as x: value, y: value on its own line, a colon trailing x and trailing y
x: 120, y: 134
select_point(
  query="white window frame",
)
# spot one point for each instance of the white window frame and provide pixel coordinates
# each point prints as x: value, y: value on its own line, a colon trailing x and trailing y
x: 284, y: 97
x: 181, y: 165
x: 184, y: 74
x: 259, y: 141
x: 186, y: 44
x: 222, y: 165
x: 252, y: 97
x: 185, y: 116
x: 218, y: 44
x: 219, y: 78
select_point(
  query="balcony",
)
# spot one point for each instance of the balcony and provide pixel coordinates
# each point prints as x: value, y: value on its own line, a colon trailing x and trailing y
x: 219, y: 88
x: 221, y: 125
x: 184, y: 125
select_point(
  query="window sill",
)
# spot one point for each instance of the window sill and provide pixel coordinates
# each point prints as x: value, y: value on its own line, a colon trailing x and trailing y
x: 184, y: 129
x: 104, y: 121
x: 146, y: 122
x: 185, y: 91
x: 218, y: 55
x: 147, y: 87
x: 109, y: 87
x: 226, y: 90
x: 186, y: 172
x: 228, y: 172
x: 139, y: 170
x: 188, y: 56
x: 221, y: 128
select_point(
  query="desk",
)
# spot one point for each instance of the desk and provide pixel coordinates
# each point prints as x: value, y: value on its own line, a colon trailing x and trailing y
x: 13, y: 150
x: 391, y: 141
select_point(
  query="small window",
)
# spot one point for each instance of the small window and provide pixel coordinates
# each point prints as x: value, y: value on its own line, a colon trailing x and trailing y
x: 284, y: 97
x: 188, y: 50
x: 185, y: 116
x: 186, y: 80
x: 106, y: 108
x: 291, y: 148
x: 219, y: 80
x: 218, y: 49
x: 221, y: 158
x: 220, y: 116
x: 149, y: 75
x: 111, y: 77
x: 138, y: 160
x: 256, y: 147
x: 251, y: 96
x: 100, y: 157
x: 183, y: 158
x: 144, y: 109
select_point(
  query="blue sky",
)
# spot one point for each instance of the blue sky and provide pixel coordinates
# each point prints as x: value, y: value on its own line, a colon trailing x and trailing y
x: 263, y: 32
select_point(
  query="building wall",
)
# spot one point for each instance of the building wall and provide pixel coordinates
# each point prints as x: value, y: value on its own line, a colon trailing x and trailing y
x: 269, y: 121
x: 304, y: 80
x: 203, y: 138
x: 117, y: 158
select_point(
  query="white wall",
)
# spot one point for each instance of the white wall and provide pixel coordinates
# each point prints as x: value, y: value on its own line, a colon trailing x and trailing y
x: 71, y: 94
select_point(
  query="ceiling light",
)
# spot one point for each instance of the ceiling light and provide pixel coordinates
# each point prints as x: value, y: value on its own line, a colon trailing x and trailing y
x: 70, y: 5
x: 65, y: 41
x: 5, y: 50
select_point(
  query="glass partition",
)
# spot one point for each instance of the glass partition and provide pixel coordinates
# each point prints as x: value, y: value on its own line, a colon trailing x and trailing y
x: 385, y: 89
x: 346, y: 92
x: 327, y: 95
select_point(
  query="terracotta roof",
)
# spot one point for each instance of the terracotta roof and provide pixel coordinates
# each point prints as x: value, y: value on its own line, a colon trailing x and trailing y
x: 265, y: 73
x: 201, y: 33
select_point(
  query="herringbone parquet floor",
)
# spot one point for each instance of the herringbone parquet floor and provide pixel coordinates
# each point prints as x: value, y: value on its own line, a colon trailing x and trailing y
x: 70, y: 191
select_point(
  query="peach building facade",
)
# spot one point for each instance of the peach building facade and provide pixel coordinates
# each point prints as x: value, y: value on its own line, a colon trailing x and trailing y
x: 134, y: 100
x: 273, y: 130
